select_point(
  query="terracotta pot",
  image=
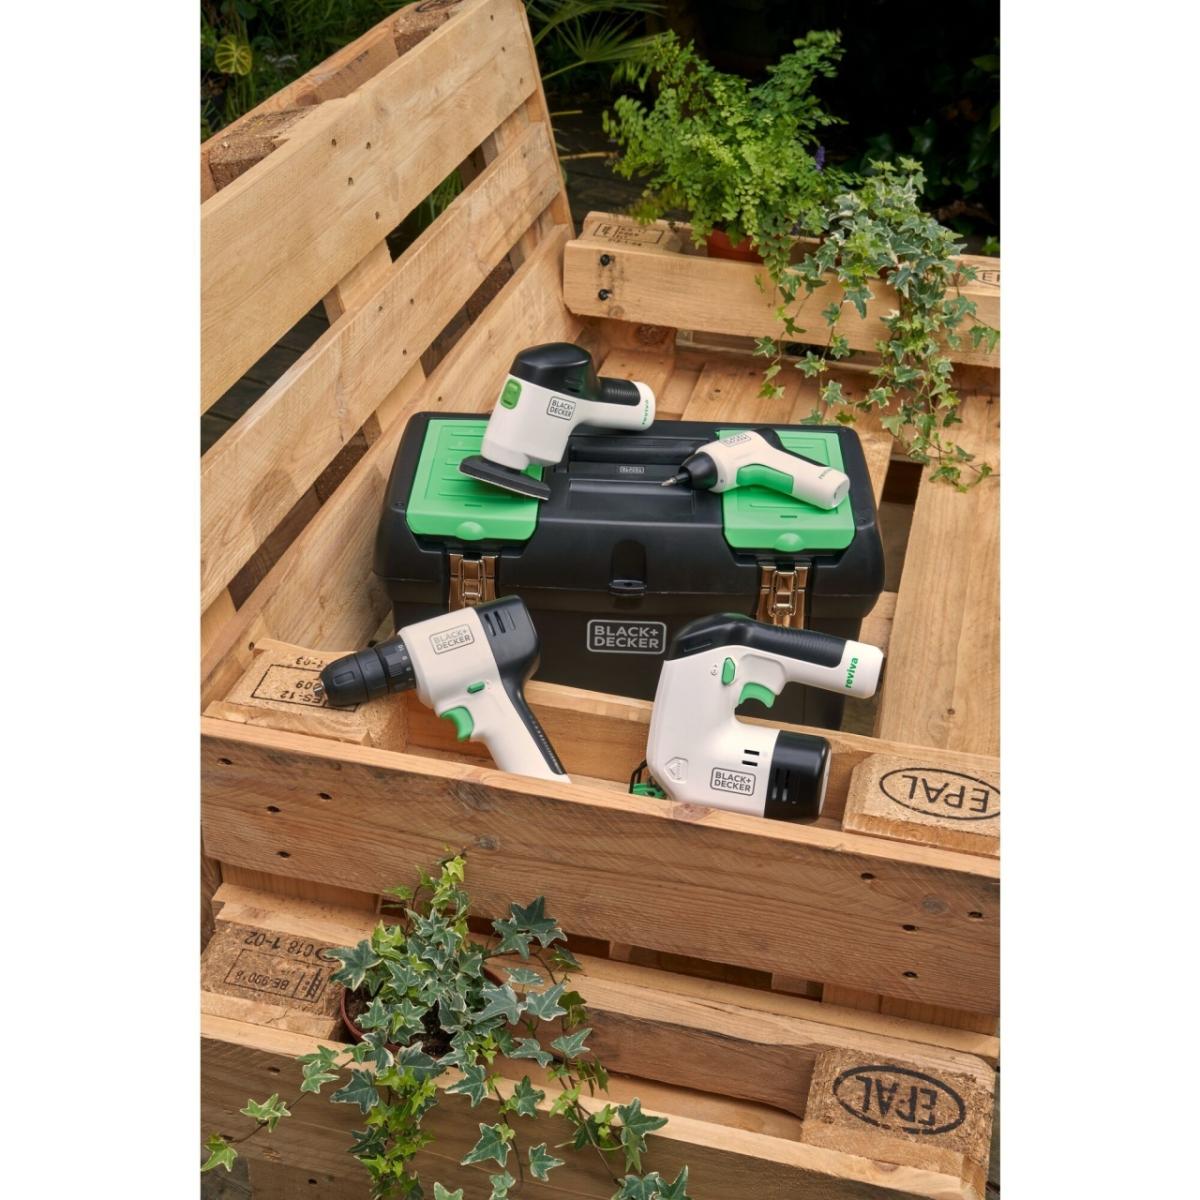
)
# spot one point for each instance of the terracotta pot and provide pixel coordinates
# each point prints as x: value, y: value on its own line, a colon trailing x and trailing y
x: 719, y: 246
x: 356, y: 1034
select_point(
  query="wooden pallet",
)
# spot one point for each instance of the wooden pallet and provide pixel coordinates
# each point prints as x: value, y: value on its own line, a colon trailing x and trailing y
x: 873, y: 933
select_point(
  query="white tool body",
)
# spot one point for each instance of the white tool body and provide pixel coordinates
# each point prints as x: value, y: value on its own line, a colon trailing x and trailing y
x: 758, y: 456
x: 470, y: 666
x: 699, y: 752
x: 550, y: 391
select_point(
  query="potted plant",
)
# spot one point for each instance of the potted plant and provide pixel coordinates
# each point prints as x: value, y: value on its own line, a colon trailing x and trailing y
x: 426, y: 999
x: 745, y: 162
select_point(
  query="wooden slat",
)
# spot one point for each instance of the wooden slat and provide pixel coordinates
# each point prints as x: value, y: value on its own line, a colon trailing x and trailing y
x: 943, y: 678
x: 830, y: 905
x: 691, y: 291
x: 323, y: 591
x: 278, y: 238
x: 251, y: 478
x: 719, y: 1140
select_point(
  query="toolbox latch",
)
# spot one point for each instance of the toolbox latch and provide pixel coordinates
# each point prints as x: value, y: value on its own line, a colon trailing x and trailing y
x: 781, y: 594
x: 472, y: 580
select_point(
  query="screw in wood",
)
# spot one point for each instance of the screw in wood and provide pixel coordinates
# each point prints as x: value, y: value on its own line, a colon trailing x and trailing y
x: 605, y: 259
x: 604, y: 293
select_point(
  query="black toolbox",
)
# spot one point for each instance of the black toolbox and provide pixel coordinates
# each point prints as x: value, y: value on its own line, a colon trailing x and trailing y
x: 614, y: 564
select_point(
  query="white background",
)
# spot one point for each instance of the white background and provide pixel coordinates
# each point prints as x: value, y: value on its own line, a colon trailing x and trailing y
x: 1100, y: 469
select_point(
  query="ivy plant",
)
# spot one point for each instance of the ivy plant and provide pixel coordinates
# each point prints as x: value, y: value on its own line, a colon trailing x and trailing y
x: 430, y: 1011
x: 748, y: 158
x: 876, y: 233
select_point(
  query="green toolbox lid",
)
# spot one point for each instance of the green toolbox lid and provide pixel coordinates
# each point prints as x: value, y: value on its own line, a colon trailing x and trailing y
x: 757, y: 518
x: 445, y: 501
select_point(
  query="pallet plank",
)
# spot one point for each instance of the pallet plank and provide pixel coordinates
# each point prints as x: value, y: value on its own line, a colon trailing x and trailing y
x: 278, y: 238
x: 603, y: 858
x: 942, y: 687
x: 256, y: 472
x: 725, y: 1157
x: 692, y: 291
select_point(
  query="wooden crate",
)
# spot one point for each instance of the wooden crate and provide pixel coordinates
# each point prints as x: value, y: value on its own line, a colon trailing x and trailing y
x: 868, y: 941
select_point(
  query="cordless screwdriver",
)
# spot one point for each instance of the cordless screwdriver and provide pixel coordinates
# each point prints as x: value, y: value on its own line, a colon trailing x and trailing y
x: 470, y: 666
x: 757, y: 456
x: 698, y: 751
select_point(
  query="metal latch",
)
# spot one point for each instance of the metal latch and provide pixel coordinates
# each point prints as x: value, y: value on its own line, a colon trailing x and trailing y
x: 781, y: 594
x: 472, y: 580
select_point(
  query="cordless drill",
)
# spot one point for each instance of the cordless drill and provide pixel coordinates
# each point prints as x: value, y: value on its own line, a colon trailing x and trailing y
x: 470, y: 666
x: 700, y: 752
x: 549, y: 391
x: 758, y: 456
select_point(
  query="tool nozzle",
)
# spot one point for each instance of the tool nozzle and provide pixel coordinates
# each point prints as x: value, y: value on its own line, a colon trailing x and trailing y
x: 680, y: 477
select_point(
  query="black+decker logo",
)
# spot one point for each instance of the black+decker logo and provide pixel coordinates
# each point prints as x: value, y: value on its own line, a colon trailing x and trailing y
x: 626, y: 637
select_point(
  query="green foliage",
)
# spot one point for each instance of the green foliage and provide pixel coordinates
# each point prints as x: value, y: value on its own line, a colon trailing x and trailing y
x: 746, y: 158
x: 734, y: 156
x: 878, y: 232
x: 426, y: 988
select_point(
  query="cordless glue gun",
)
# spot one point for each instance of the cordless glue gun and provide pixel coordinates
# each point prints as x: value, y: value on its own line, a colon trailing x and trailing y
x: 550, y: 390
x: 701, y: 753
x: 469, y: 665
x: 758, y: 456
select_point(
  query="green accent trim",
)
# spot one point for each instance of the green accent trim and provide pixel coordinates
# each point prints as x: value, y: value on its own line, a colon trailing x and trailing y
x: 648, y: 789
x: 760, y: 518
x: 756, y: 474
x: 475, y: 687
x: 464, y: 724
x: 728, y: 671
x: 511, y: 393
x: 444, y: 502
x: 757, y: 691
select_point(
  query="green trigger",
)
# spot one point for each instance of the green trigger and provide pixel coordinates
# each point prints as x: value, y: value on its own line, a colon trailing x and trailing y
x: 768, y: 477
x: 463, y: 724
x: 756, y: 691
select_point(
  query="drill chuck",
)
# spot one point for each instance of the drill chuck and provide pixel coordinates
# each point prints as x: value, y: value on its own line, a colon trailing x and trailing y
x: 368, y: 674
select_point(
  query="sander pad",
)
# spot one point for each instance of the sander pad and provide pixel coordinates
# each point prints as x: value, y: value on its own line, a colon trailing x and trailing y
x: 507, y: 478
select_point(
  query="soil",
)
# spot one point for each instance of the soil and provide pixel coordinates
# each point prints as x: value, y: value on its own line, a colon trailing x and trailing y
x: 435, y: 1041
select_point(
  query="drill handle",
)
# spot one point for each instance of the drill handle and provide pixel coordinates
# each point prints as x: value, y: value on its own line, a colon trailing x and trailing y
x: 621, y: 404
x: 501, y: 719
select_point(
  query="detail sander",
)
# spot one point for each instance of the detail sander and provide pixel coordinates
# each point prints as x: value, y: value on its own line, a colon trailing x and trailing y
x: 758, y: 456
x: 470, y: 666
x: 698, y: 751
x: 550, y: 390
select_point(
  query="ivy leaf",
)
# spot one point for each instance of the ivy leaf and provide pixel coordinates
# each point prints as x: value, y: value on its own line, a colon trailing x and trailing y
x: 635, y: 1124
x: 525, y: 1098
x: 533, y: 919
x: 268, y: 1112
x: 544, y: 1005
x: 315, y: 1077
x: 403, y: 976
x: 636, y: 1187
x: 501, y: 1185
x: 500, y: 1002
x: 472, y: 1084
x: 524, y: 977
x: 379, y: 1054
x: 492, y: 1144
x: 356, y: 960
x: 376, y: 1014
x: 571, y: 1045
x: 562, y: 958
x: 414, y: 1059
x: 541, y: 1162
x: 440, y: 1193
x: 220, y: 1153
x: 530, y: 1048
x: 513, y: 939
x: 676, y: 1190
x: 360, y: 1090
